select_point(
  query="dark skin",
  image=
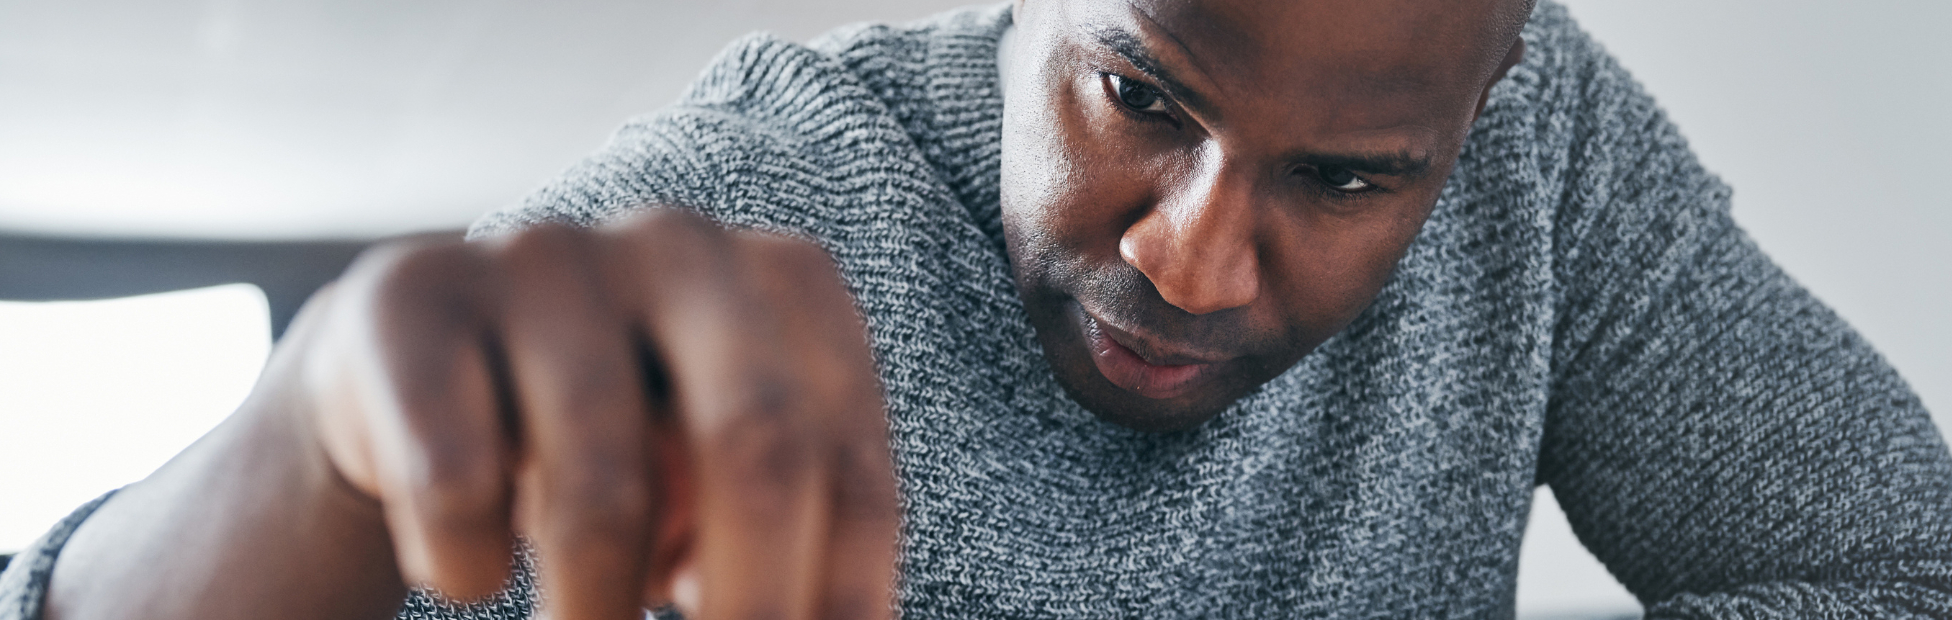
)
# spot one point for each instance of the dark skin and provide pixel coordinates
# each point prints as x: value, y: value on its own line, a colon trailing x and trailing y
x: 1196, y: 194
x: 1196, y: 198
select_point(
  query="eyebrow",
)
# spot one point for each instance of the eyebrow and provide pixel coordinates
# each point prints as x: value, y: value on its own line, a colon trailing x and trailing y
x: 1129, y: 47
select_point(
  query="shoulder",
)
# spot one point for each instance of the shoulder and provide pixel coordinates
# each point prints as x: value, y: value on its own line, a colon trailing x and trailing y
x: 889, y: 55
x: 937, y: 78
x: 1573, y: 131
x: 1563, y: 65
x: 1566, y: 88
x: 864, y: 68
x: 772, y: 134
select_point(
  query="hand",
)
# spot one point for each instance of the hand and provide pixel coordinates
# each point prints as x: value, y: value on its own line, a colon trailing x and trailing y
x: 646, y: 399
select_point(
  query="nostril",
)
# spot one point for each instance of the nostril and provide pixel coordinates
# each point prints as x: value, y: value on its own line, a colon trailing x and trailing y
x: 1197, y: 268
x: 1201, y: 287
x: 1193, y: 281
x: 1211, y: 299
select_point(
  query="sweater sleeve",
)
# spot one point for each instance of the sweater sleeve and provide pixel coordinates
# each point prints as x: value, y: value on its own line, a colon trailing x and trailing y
x: 23, y: 585
x: 1723, y: 442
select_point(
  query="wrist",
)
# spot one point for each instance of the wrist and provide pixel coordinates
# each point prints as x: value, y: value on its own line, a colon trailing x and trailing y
x: 252, y: 516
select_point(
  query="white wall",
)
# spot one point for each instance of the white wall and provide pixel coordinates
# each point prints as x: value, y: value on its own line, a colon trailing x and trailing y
x: 302, y: 118
x: 96, y: 394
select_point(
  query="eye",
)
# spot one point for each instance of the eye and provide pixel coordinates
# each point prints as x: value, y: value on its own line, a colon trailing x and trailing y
x: 1135, y: 95
x: 1341, y: 179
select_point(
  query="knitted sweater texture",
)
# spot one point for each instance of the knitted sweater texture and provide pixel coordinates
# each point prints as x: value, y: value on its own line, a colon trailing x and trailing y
x: 1580, y: 311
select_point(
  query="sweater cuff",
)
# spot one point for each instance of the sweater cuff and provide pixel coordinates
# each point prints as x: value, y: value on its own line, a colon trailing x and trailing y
x: 23, y: 586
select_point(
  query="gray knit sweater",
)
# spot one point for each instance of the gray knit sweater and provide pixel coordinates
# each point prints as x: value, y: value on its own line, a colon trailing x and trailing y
x: 1580, y: 311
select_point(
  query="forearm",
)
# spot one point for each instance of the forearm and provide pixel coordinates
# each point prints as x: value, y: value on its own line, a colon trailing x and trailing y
x: 235, y: 527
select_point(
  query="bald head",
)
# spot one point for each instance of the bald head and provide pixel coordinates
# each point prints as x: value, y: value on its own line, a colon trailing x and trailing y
x: 1196, y: 193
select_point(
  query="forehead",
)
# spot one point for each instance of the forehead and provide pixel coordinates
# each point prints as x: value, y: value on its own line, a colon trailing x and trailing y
x: 1411, y: 54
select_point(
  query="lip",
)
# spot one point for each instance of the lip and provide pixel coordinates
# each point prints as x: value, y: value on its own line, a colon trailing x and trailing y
x: 1158, y: 377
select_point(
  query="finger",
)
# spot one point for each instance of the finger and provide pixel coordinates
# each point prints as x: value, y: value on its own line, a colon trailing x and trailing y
x: 861, y: 543
x: 864, y: 541
x: 587, y: 489
x: 672, y: 545
x: 758, y: 456
x: 415, y: 402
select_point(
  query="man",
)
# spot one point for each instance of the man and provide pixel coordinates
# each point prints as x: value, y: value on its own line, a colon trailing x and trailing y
x: 1229, y: 308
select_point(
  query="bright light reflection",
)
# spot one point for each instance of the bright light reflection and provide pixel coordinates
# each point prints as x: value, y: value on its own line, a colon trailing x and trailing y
x: 97, y: 394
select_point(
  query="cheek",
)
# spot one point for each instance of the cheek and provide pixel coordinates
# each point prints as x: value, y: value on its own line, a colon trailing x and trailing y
x: 1334, y: 267
x: 1037, y: 173
x: 1063, y: 185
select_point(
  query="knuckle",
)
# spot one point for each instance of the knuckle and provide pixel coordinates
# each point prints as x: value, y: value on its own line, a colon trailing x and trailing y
x: 548, y: 275
x: 661, y: 226
x: 413, y: 263
x: 539, y: 245
x: 454, y: 482
x: 671, y: 241
x: 415, y: 275
x: 763, y: 446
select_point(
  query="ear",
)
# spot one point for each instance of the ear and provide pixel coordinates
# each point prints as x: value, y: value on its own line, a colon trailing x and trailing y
x: 1512, y: 58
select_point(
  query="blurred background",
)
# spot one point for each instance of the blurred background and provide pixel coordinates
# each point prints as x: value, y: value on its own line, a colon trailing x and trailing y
x: 177, y: 175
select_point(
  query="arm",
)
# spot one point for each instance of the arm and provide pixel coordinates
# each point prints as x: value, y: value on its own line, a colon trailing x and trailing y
x: 1724, y: 443
x: 458, y: 394
x: 641, y: 401
x: 23, y: 581
x: 225, y: 519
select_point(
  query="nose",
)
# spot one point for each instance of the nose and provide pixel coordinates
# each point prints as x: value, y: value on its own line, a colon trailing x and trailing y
x: 1197, y: 245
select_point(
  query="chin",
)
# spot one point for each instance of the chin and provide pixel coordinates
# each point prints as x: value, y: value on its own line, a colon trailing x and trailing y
x: 1151, y: 417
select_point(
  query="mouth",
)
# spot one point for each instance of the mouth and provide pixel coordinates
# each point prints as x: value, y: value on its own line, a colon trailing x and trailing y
x: 1157, y: 377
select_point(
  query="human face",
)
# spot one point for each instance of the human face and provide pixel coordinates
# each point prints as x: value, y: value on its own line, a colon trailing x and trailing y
x: 1198, y: 193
